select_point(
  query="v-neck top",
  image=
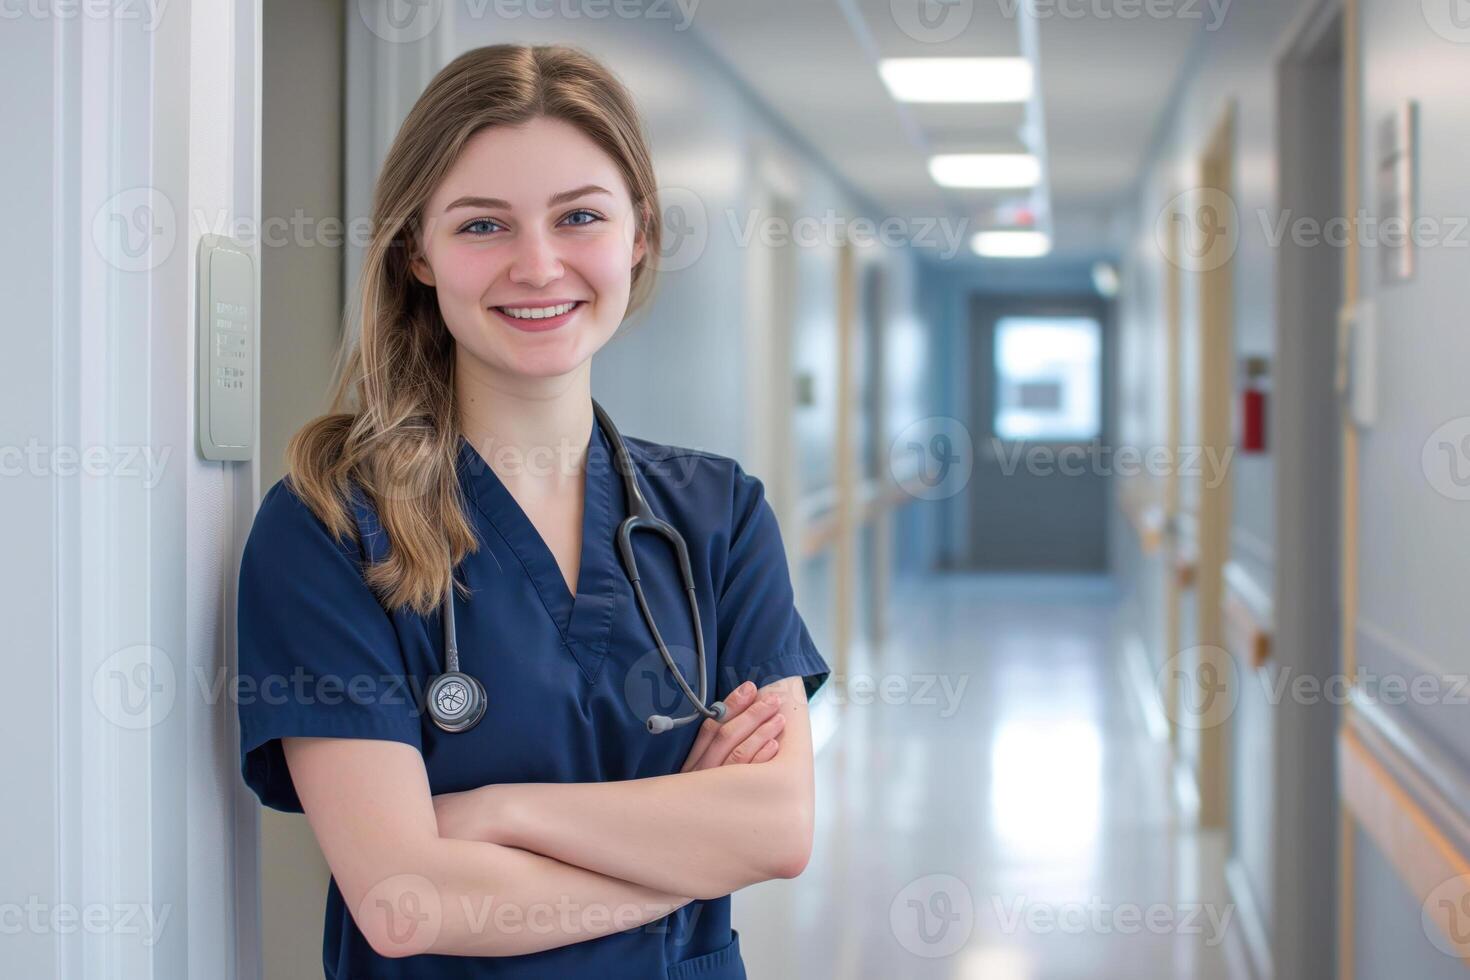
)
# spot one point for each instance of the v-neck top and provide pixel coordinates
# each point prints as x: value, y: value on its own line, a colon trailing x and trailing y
x: 569, y: 679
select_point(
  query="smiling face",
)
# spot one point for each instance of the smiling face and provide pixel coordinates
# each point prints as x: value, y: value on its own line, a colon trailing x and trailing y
x: 530, y: 243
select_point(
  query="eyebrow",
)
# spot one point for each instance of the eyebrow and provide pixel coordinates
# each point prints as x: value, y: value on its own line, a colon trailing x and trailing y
x: 557, y: 198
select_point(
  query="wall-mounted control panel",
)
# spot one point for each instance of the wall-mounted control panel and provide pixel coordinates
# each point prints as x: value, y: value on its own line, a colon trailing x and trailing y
x: 227, y: 346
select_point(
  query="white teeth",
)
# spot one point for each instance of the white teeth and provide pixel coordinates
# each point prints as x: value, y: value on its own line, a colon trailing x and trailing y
x: 535, y: 312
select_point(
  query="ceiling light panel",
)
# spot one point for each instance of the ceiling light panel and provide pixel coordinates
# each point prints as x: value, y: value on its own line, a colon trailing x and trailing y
x: 972, y: 80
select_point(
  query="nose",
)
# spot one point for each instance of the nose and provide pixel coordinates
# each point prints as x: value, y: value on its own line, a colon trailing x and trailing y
x: 536, y: 262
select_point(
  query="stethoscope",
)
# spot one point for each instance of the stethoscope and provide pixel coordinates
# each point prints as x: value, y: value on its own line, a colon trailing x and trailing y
x: 456, y: 700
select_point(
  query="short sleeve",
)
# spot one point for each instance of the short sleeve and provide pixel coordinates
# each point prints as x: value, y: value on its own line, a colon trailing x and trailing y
x: 761, y: 635
x: 318, y: 654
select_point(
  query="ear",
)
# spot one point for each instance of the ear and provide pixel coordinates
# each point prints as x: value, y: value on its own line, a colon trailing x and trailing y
x: 640, y: 242
x: 421, y: 269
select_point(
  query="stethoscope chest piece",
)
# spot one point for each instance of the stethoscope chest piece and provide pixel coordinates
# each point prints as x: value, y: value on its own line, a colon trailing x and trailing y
x: 455, y: 701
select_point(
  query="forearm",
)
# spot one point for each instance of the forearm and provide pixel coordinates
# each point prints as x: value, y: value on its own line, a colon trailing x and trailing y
x: 473, y: 898
x: 705, y: 833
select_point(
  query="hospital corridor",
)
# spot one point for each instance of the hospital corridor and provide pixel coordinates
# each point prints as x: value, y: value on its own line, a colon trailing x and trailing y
x: 723, y: 489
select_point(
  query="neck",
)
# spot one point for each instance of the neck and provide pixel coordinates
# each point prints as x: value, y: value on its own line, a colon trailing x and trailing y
x: 533, y: 434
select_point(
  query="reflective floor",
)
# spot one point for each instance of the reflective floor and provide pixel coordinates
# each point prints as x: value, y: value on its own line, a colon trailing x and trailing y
x: 992, y: 806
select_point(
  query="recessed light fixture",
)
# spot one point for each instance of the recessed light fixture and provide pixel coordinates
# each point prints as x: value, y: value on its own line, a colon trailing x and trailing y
x: 1011, y: 244
x: 985, y: 170
x: 957, y: 79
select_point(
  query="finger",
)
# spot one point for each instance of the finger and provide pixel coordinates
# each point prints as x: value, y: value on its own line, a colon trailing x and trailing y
x: 746, y: 750
x: 767, y: 752
x: 737, y: 730
x: 737, y: 701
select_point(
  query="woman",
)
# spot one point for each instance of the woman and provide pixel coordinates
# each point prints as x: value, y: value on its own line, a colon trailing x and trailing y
x: 515, y: 223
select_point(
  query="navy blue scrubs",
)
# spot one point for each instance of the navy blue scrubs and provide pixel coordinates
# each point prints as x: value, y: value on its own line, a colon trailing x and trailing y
x: 570, y: 679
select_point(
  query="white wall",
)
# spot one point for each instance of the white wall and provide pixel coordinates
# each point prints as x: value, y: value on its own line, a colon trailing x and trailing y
x: 1234, y: 66
x: 1410, y: 558
x: 118, y: 579
x: 1413, y: 522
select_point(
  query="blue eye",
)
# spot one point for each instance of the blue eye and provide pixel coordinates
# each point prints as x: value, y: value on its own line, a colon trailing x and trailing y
x: 471, y: 226
x: 478, y: 221
x: 591, y: 214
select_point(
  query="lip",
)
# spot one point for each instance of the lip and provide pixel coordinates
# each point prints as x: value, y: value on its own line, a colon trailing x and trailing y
x: 542, y: 325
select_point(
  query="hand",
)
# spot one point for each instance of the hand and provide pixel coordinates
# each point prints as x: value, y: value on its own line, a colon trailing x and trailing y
x: 748, y: 733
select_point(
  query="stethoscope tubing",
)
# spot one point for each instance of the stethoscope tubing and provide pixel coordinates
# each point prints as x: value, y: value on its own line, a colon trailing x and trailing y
x: 456, y: 700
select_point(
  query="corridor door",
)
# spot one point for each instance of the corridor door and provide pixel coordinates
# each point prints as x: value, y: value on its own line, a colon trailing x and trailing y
x: 1039, y: 494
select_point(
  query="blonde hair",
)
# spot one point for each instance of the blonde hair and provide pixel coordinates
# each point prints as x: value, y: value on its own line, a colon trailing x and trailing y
x: 392, y: 428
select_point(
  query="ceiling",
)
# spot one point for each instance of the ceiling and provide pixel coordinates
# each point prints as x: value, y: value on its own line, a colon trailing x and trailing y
x: 1104, y: 83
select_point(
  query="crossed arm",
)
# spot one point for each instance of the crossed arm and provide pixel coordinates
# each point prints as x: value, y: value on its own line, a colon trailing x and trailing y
x: 511, y: 869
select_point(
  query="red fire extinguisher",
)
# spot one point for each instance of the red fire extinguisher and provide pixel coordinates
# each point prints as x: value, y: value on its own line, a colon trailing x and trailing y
x: 1253, y: 405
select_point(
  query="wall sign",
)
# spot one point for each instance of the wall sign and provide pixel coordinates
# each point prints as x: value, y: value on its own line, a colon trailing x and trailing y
x: 1397, y: 158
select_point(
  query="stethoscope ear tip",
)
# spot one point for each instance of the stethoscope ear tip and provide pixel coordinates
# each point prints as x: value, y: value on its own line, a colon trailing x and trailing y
x: 659, y: 723
x: 719, y: 710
